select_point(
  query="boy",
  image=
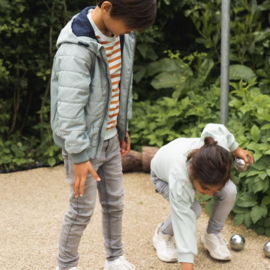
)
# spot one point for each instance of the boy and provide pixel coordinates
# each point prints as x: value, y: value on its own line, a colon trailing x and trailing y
x: 90, y: 106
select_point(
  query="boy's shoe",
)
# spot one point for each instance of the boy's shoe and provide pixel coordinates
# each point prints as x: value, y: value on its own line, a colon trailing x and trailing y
x: 72, y: 268
x: 216, y: 246
x: 119, y: 264
x: 164, y: 246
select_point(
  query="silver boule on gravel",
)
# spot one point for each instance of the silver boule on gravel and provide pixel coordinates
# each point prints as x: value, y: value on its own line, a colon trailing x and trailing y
x: 237, y: 242
x: 266, y: 249
x: 240, y: 165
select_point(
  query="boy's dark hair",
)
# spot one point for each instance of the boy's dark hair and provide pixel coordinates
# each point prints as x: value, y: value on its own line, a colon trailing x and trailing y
x: 211, y: 164
x: 137, y: 14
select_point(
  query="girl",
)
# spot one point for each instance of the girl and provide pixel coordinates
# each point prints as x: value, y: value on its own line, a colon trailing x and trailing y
x: 179, y: 169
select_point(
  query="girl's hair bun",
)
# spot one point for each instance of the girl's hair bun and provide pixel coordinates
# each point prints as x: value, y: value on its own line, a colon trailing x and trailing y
x: 209, y: 141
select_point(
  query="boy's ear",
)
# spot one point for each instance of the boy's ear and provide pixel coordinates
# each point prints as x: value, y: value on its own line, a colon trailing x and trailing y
x: 106, y: 7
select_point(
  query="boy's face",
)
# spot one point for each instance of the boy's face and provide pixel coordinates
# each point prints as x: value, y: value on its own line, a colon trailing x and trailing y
x: 113, y: 26
x: 116, y: 27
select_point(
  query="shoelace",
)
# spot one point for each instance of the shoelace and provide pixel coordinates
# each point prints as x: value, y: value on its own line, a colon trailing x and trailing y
x: 169, y: 242
x: 127, y: 265
x: 222, y: 240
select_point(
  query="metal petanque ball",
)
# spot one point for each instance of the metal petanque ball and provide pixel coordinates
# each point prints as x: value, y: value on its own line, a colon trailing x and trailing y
x: 240, y: 165
x: 266, y: 249
x: 237, y: 242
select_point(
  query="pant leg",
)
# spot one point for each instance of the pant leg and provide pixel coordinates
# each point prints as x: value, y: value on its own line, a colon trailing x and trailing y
x: 162, y: 187
x: 77, y: 217
x: 222, y: 207
x: 111, y: 195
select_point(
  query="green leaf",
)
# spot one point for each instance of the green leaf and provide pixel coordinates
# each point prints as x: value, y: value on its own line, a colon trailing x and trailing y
x: 263, y: 175
x: 51, y: 161
x: 256, y: 213
x: 260, y: 230
x: 240, y: 72
x: 205, y: 198
x: 241, y: 210
x: 142, y: 48
x: 204, y: 70
x: 238, y: 219
x: 139, y: 73
x: 267, y: 222
x: 257, y: 156
x: 264, y: 146
x: 267, y: 232
x: 258, y: 185
x: 166, y: 80
x: 252, y: 173
x: 247, y: 200
x: 266, y: 200
x: 252, y: 146
x: 247, y: 219
x: 255, y: 133
x: 266, y: 126
x: 164, y: 65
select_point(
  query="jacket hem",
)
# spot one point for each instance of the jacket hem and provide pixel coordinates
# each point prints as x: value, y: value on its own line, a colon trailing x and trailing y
x: 186, y: 258
x: 80, y: 157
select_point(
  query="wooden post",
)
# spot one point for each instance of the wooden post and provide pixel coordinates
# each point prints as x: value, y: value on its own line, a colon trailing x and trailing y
x: 147, y: 155
x: 132, y: 161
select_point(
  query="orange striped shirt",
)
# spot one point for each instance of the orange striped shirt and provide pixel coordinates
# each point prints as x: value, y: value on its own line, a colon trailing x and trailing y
x: 113, y: 53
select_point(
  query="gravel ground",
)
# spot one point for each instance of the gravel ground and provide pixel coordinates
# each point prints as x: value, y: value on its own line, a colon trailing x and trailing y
x: 33, y: 204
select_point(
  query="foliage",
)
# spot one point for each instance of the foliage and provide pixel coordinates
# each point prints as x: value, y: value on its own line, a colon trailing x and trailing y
x: 249, y: 33
x: 28, y: 33
x: 159, y: 122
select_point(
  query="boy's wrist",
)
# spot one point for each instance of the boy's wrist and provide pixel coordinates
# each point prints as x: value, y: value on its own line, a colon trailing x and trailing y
x: 80, y: 157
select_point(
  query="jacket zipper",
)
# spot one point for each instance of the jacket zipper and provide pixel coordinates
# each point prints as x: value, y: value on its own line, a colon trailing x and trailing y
x: 106, y: 106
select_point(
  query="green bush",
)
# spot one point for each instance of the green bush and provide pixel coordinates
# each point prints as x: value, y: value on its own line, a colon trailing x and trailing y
x: 28, y: 33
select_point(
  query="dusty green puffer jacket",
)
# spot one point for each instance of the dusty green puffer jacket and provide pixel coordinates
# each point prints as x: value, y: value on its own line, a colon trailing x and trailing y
x: 81, y: 89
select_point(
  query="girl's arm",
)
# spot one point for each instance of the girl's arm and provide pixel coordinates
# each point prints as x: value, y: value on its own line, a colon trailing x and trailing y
x: 226, y: 139
x: 220, y: 134
x: 183, y: 219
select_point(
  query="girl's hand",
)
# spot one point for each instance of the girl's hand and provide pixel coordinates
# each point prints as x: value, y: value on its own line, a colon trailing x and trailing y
x: 241, y: 153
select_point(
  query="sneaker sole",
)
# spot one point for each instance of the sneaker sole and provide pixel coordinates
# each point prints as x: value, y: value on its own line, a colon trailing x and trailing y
x: 212, y: 255
x: 160, y: 257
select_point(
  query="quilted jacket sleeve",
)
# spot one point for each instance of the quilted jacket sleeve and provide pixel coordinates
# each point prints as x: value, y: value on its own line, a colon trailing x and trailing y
x: 222, y: 135
x: 72, y: 66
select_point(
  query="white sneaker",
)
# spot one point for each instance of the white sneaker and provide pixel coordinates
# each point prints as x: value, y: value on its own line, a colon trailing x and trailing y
x: 72, y: 268
x: 164, y: 246
x: 119, y: 264
x: 216, y: 245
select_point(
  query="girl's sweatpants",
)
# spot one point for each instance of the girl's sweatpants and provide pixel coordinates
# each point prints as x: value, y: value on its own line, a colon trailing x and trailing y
x: 110, y: 190
x: 223, y: 205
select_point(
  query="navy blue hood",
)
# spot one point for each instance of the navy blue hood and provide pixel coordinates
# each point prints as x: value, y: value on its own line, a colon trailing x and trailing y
x: 81, y: 26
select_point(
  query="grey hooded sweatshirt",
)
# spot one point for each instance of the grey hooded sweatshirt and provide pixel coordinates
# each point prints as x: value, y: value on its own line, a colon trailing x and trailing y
x: 81, y: 89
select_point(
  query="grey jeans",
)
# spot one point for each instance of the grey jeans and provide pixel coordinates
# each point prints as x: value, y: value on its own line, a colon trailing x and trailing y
x: 222, y: 207
x: 110, y: 190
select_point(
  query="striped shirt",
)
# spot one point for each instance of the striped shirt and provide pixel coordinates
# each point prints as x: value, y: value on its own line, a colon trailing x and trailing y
x: 113, y: 53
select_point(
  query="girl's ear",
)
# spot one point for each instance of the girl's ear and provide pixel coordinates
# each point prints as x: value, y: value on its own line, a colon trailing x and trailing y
x: 106, y: 7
